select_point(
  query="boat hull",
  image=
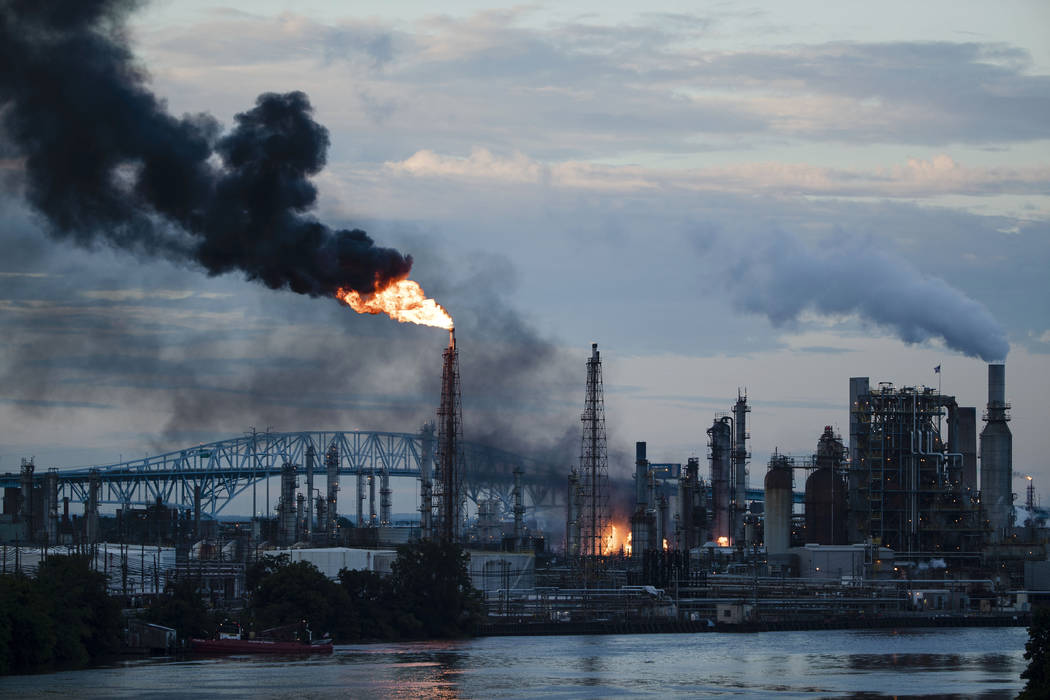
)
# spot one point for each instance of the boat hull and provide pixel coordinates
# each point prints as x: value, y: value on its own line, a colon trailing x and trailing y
x: 256, y: 646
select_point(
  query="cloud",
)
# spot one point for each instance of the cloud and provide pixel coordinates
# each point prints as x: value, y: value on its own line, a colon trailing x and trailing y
x: 141, y: 294
x: 584, y: 88
x: 916, y: 178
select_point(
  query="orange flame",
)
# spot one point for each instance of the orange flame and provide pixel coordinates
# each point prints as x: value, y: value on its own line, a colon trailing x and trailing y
x: 613, y: 543
x: 723, y: 541
x: 403, y: 301
x: 665, y: 544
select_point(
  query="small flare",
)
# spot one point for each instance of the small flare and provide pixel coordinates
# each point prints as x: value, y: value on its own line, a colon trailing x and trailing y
x: 627, y: 544
x: 403, y: 301
x: 665, y: 544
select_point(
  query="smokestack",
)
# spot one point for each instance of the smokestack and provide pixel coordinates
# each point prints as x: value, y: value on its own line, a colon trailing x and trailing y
x: 997, y: 458
x: 996, y: 385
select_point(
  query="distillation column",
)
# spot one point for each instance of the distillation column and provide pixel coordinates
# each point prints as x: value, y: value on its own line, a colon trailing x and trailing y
x: 308, y: 525
x: 286, y: 507
x: 332, y: 474
x: 426, y: 484
x: 740, y: 455
x: 642, y: 520
x: 91, y: 507
x: 721, y: 442
x: 384, y: 498
x: 519, y: 511
x: 573, y: 508
x: 51, y: 506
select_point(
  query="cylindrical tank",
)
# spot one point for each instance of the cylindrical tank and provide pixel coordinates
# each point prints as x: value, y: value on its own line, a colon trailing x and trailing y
x: 825, y: 508
x: 826, y: 492
x: 778, y: 505
x: 721, y: 434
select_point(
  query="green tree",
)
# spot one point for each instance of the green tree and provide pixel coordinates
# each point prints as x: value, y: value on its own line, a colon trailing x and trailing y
x: 182, y: 608
x: 432, y: 583
x: 1037, y: 653
x: 296, y: 592
x: 373, y: 605
x: 263, y: 567
x: 89, y: 619
x: 27, y: 629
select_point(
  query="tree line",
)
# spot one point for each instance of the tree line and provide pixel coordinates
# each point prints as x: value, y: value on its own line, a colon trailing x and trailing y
x: 61, y: 617
x: 427, y: 595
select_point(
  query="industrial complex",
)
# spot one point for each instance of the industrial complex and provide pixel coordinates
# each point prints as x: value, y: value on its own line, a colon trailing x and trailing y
x: 910, y: 513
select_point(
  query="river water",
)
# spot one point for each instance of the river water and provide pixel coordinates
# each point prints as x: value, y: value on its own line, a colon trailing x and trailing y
x: 914, y: 663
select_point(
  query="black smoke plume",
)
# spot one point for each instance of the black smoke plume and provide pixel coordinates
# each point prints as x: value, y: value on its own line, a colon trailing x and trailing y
x: 105, y: 161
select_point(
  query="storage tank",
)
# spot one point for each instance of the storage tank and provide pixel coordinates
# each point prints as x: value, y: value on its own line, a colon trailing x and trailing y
x: 778, y: 487
x: 826, y: 492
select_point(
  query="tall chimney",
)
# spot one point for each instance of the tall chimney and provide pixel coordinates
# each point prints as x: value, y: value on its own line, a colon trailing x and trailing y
x: 997, y: 458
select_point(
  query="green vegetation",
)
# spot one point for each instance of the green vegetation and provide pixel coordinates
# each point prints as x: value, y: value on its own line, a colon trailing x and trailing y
x: 62, y: 617
x: 1037, y: 653
x: 427, y: 596
x: 183, y: 610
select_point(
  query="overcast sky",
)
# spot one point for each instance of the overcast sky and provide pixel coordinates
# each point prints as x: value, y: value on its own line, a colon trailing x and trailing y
x: 763, y: 196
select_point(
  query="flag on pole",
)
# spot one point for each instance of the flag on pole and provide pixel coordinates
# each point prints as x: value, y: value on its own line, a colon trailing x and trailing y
x: 937, y: 369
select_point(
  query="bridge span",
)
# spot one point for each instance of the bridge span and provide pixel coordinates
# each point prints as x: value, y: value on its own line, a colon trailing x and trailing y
x: 225, y: 469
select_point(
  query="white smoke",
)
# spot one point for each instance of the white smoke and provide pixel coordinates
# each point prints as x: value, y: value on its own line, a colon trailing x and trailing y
x: 781, y: 279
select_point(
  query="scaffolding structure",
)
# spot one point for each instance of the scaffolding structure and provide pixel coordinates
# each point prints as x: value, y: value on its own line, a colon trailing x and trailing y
x: 448, y: 482
x: 906, y: 484
x: 594, y: 462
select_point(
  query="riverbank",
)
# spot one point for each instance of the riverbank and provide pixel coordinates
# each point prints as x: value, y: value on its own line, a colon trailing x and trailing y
x: 859, y: 622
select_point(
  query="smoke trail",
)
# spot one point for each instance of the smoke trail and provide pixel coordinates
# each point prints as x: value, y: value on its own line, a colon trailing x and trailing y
x: 781, y: 279
x: 104, y: 161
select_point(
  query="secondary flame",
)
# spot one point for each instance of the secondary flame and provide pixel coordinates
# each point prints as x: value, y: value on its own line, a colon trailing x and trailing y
x: 613, y: 542
x: 723, y: 541
x: 403, y: 301
x: 665, y: 544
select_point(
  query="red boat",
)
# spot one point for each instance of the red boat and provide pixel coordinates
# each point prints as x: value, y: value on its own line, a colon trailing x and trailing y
x: 259, y: 646
x: 290, y: 639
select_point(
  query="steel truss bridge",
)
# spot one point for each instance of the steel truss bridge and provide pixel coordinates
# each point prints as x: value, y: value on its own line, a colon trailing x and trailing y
x: 226, y: 469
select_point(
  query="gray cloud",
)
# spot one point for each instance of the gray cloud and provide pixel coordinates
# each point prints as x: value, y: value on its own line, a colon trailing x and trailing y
x: 586, y: 88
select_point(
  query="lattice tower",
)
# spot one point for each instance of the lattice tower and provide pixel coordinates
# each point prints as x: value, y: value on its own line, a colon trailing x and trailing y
x: 448, y: 485
x: 594, y: 461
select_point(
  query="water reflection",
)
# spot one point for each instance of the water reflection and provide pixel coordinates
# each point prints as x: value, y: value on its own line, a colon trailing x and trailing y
x: 836, y: 664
